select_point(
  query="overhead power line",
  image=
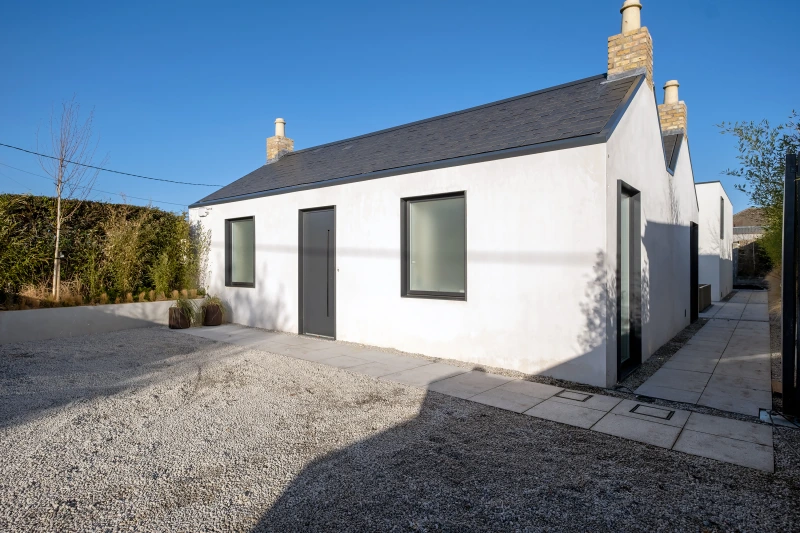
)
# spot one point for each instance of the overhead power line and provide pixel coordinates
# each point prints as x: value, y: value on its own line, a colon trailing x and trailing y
x: 93, y: 188
x: 108, y: 169
x: 15, y: 181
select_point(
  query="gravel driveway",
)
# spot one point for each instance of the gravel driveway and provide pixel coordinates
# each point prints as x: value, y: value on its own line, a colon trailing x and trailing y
x: 153, y: 430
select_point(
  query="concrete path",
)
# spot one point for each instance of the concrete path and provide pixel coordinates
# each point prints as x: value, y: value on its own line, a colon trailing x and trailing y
x: 726, y: 365
x: 742, y: 443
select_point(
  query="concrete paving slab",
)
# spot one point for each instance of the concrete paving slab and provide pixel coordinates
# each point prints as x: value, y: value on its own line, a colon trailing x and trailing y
x: 756, y: 325
x: 343, y: 349
x: 206, y: 333
x: 309, y: 355
x: 651, y: 413
x: 756, y: 312
x: 592, y: 401
x: 729, y: 382
x: 679, y: 379
x: 758, y: 297
x: 717, y: 335
x: 425, y: 375
x: 743, y: 401
x: 696, y: 353
x: 236, y: 329
x: 731, y: 311
x: 382, y: 368
x: 730, y: 428
x: 468, y: 384
x: 302, y: 351
x: 251, y: 339
x: 676, y: 395
x: 720, y: 323
x: 571, y: 414
x: 293, y: 339
x: 639, y: 430
x: 692, y: 364
x: 530, y: 388
x: 747, y: 369
x: 224, y: 336
x: 507, y: 399
x: 380, y: 356
x: 271, y: 347
x: 715, y: 347
x: 343, y: 361
x: 734, y: 451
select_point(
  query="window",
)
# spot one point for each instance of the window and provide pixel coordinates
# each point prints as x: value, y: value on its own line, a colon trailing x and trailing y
x: 721, y: 218
x: 434, y: 246
x: 240, y: 252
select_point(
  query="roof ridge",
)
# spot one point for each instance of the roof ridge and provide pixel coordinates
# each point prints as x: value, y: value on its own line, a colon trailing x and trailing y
x: 447, y: 115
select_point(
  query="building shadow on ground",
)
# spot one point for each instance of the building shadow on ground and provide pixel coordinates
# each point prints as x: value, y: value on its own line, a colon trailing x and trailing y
x: 463, y: 466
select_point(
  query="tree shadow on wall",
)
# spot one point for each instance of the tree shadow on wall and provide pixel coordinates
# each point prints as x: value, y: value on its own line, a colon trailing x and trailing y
x: 245, y: 306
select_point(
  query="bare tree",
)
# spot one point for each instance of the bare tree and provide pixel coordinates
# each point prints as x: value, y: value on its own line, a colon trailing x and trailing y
x: 68, y: 158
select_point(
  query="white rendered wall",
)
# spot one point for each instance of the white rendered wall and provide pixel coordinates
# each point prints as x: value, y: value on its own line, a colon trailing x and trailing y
x: 668, y: 205
x: 716, y: 255
x: 535, y: 269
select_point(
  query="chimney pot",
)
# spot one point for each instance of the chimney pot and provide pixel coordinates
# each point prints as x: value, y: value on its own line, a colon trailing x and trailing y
x: 631, y: 15
x: 671, y: 92
x: 280, y: 127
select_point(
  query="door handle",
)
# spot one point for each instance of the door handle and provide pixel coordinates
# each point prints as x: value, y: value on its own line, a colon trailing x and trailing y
x: 328, y: 275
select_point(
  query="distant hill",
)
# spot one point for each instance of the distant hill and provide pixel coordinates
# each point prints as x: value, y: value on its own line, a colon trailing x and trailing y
x: 752, y: 216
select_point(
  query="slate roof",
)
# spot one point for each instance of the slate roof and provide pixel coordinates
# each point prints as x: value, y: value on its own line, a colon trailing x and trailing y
x: 581, y: 108
x: 672, y: 145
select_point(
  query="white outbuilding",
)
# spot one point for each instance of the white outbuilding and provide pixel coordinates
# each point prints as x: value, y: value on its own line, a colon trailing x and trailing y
x: 549, y: 233
x: 716, y: 239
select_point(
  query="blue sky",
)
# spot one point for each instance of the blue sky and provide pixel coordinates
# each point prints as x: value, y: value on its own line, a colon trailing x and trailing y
x: 189, y: 90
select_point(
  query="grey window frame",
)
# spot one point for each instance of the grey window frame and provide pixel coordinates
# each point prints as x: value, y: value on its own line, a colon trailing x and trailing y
x: 405, y: 269
x: 228, y: 244
x: 721, y: 217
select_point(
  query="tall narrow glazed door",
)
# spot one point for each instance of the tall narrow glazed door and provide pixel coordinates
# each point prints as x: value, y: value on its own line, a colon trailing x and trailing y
x: 317, y: 272
x: 625, y: 281
x: 694, y: 272
x: 629, y: 285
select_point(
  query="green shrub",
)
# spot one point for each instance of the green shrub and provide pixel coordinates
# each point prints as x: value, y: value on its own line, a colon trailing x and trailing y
x: 161, y: 273
x: 110, y: 248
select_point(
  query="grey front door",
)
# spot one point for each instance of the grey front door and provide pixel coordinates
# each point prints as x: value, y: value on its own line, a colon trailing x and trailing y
x: 318, y: 272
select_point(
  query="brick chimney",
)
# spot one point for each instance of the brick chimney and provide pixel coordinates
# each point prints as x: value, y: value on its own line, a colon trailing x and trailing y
x: 672, y: 113
x: 631, y: 52
x: 280, y: 143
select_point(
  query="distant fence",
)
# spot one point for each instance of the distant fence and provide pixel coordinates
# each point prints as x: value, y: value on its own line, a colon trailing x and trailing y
x: 60, y: 322
x: 790, y: 334
x: 748, y: 230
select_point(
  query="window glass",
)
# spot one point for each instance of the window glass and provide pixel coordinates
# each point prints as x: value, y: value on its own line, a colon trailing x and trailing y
x: 242, y: 251
x: 436, y: 245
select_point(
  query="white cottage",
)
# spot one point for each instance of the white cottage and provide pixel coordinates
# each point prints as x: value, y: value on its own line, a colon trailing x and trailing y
x: 716, y: 239
x: 547, y: 233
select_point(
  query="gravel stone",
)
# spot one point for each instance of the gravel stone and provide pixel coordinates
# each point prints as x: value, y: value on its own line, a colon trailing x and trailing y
x: 155, y: 430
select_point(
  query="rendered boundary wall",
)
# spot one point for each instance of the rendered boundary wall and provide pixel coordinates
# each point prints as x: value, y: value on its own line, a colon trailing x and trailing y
x: 43, y: 324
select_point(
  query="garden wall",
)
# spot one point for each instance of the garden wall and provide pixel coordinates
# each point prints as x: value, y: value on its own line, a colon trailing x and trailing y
x: 43, y: 324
